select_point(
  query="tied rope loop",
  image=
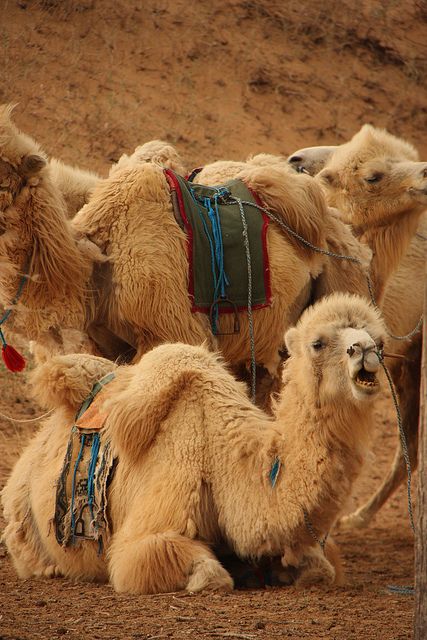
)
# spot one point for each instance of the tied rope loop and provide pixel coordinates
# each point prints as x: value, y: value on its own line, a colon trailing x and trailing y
x: 402, y: 436
x: 216, y: 246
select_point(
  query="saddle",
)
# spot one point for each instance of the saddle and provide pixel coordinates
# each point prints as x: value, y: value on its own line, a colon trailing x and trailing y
x: 81, y: 493
x: 218, y: 258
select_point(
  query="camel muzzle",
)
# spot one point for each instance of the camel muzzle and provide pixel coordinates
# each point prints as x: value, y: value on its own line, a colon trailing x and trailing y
x: 364, y: 365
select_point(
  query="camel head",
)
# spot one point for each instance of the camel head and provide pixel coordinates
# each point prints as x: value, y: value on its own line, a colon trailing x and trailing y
x: 21, y: 160
x: 334, y: 350
x: 373, y: 178
x: 311, y: 159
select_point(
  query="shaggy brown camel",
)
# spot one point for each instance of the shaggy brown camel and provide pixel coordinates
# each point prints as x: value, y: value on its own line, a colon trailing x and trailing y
x: 206, y: 464
x: 115, y: 278
x: 372, y: 178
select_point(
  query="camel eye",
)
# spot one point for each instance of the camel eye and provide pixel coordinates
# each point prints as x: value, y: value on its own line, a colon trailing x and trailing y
x: 375, y: 177
x: 317, y: 345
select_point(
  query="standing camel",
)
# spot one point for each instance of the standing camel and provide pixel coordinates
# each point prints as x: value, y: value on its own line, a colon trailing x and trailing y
x: 374, y: 178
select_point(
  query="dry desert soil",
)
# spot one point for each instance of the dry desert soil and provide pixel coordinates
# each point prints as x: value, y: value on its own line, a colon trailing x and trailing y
x: 219, y: 79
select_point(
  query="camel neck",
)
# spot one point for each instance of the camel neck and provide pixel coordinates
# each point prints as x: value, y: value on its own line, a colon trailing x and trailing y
x: 39, y: 233
x: 389, y: 241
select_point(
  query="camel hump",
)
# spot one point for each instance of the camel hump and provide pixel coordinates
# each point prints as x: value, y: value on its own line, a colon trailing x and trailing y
x: 65, y: 381
x: 149, y: 391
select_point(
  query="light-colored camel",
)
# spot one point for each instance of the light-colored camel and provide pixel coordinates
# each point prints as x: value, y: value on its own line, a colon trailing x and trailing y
x: 195, y: 458
x: 372, y: 178
x: 115, y: 278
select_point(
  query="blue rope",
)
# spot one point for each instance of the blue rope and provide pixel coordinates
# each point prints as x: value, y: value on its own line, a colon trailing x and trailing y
x: 216, y: 245
x: 73, y: 485
x: 403, y: 591
x: 91, y: 472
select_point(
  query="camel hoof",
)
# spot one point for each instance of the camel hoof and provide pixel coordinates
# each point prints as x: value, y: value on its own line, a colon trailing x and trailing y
x: 209, y: 574
x: 315, y: 576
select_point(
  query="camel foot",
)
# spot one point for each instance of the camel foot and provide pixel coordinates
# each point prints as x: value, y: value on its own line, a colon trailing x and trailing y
x: 315, y: 569
x: 315, y: 576
x: 209, y: 574
x: 50, y: 571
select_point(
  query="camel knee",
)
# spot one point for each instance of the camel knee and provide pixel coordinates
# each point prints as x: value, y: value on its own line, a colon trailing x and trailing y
x: 163, y: 562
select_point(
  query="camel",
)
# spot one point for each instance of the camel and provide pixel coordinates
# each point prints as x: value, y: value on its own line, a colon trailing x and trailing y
x: 198, y: 463
x: 373, y: 177
x: 114, y: 279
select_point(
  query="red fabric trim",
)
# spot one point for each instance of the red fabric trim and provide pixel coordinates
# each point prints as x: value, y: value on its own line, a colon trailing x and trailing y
x: 267, y: 273
x: 174, y: 185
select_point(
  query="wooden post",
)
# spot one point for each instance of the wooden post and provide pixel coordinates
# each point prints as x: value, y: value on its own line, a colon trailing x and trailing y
x: 420, y: 622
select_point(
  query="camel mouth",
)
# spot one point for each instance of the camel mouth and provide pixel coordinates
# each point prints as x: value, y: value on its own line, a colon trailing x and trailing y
x: 419, y: 194
x: 366, y: 381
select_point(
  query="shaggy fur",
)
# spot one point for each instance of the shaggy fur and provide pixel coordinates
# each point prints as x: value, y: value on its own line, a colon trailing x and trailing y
x: 155, y: 151
x: 36, y: 238
x: 116, y: 275
x: 401, y: 196
x: 194, y: 457
x: 381, y: 190
x: 75, y: 184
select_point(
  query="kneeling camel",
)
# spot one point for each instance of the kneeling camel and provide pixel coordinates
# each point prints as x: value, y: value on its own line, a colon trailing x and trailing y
x: 198, y: 464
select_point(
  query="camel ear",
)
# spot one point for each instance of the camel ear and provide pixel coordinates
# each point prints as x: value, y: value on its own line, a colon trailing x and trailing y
x: 292, y: 340
x: 31, y: 165
x: 329, y: 177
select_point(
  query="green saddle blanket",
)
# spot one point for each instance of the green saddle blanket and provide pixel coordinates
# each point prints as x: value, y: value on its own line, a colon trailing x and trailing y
x: 218, y: 269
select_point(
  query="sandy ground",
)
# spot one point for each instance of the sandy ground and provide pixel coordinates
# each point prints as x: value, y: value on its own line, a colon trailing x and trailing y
x: 219, y: 80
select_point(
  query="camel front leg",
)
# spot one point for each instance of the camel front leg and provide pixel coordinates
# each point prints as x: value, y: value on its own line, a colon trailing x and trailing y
x: 164, y: 562
x: 315, y: 566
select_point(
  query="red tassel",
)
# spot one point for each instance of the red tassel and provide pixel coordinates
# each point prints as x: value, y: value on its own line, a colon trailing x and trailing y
x: 12, y: 359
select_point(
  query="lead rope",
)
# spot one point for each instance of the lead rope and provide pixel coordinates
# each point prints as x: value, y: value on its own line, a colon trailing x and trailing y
x: 250, y: 314
x: 402, y: 436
